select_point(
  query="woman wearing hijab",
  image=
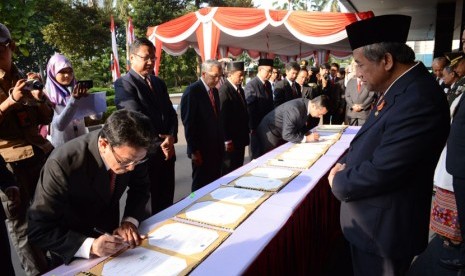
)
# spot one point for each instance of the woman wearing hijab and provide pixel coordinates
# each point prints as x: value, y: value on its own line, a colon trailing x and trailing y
x: 64, y: 93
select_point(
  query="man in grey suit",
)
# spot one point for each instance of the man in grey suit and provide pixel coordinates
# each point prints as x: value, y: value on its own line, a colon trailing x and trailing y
x: 80, y: 187
x: 288, y: 122
x: 385, y: 181
x: 259, y: 98
x: 359, y: 101
x: 141, y: 91
x: 200, y: 107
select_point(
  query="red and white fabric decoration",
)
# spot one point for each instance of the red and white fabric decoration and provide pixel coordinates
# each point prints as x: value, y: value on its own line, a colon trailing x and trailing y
x: 290, y: 35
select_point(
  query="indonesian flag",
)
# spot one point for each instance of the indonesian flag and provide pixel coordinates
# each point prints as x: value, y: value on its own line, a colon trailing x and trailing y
x: 129, y: 40
x: 114, y: 56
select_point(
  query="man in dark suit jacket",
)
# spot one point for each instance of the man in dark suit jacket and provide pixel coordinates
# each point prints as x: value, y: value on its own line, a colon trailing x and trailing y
x: 288, y: 122
x: 259, y: 97
x: 200, y: 107
x: 80, y: 187
x: 287, y: 89
x: 234, y: 118
x: 141, y: 91
x: 359, y: 101
x: 455, y: 165
x: 385, y: 181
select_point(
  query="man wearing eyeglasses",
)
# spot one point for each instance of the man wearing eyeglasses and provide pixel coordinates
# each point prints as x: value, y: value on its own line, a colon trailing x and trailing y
x: 200, y: 113
x: 140, y: 90
x: 80, y: 187
x: 22, y: 147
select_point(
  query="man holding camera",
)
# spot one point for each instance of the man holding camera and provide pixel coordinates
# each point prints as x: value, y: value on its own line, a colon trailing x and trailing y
x: 22, y: 147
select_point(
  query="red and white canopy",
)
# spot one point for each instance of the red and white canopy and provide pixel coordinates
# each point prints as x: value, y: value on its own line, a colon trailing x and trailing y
x: 227, y: 31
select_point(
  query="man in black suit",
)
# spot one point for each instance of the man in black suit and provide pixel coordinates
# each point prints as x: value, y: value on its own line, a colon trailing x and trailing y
x: 80, y: 187
x: 287, y: 89
x: 259, y: 97
x: 200, y: 113
x: 455, y: 165
x: 288, y: 122
x: 385, y: 181
x: 141, y: 91
x: 234, y: 117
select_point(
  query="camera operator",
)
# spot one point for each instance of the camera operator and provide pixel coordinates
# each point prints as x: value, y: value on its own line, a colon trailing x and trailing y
x: 22, y: 147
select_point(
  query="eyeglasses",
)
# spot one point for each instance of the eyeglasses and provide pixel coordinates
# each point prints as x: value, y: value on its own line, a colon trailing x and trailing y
x: 275, y: 72
x: 126, y: 163
x: 147, y: 58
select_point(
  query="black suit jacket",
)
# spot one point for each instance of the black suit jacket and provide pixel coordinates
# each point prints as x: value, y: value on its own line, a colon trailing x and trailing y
x: 286, y: 122
x: 202, y: 126
x: 259, y: 101
x: 133, y: 93
x: 234, y: 115
x: 455, y: 160
x: 73, y: 196
x: 386, y: 188
x: 283, y: 92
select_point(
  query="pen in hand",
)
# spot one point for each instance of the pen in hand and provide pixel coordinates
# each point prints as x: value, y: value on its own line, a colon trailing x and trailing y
x: 102, y: 232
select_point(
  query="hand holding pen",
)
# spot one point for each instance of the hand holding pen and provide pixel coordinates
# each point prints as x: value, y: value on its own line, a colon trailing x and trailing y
x: 107, y: 244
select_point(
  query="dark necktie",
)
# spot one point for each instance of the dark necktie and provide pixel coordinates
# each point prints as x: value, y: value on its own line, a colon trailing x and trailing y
x: 240, y: 95
x: 267, y: 92
x: 112, y: 176
x: 294, y: 90
x: 212, y: 100
x: 147, y: 80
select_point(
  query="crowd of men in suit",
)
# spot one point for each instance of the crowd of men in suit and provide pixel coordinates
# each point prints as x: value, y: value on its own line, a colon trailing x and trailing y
x: 384, y: 182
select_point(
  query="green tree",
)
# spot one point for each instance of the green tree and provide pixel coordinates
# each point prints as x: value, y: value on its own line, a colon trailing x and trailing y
x: 25, y: 21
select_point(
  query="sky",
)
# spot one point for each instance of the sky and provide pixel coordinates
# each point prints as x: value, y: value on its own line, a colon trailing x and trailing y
x: 266, y: 3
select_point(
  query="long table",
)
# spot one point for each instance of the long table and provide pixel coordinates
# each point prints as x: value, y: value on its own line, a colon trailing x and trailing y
x: 290, y: 233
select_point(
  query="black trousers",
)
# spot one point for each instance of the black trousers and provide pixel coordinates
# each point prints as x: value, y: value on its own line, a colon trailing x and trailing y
x: 368, y: 264
x: 5, y: 252
x: 233, y: 160
x: 161, y: 174
x: 208, y: 172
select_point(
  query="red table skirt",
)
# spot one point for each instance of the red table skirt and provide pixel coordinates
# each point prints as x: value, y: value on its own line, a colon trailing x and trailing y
x: 302, y: 246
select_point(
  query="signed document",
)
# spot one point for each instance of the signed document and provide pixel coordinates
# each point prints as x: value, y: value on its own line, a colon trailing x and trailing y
x: 261, y: 183
x: 236, y: 195
x: 143, y: 262
x: 183, y: 238
x: 272, y: 172
x: 215, y: 213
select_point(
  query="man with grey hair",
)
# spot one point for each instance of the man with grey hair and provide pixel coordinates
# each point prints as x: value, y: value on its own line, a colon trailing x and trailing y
x: 200, y: 114
x: 385, y: 181
x: 438, y: 64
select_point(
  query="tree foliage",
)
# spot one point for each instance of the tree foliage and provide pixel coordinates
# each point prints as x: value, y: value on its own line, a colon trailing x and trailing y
x: 307, y: 5
x: 80, y: 29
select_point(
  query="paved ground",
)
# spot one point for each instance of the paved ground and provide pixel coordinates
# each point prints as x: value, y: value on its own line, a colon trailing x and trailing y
x: 183, y: 172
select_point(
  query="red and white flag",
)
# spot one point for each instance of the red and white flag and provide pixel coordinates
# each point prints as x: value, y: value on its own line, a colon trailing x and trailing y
x: 129, y: 40
x: 115, y: 72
